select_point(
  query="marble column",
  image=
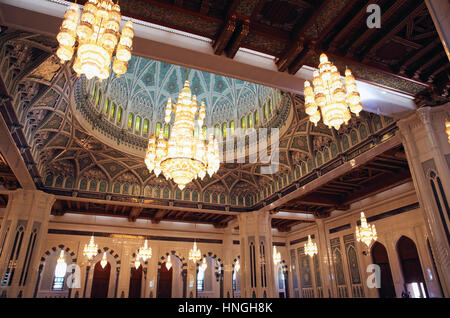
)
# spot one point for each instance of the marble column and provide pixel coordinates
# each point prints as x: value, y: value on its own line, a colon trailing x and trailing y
x: 428, y: 153
x: 22, y: 235
x: 228, y: 262
x: 257, y: 268
x: 324, y: 258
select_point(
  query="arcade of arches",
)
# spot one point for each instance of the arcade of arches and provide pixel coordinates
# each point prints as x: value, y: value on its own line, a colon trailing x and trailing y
x: 72, y: 157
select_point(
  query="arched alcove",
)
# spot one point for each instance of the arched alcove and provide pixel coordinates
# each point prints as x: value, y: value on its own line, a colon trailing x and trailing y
x: 413, y: 278
x: 170, y: 281
x: 100, y: 280
x: 380, y: 257
x: 135, y: 282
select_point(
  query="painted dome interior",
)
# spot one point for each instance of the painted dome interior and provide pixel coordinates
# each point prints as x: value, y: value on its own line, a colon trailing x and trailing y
x: 143, y: 91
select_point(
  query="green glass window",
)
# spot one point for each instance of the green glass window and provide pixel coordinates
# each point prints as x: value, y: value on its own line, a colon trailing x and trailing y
x: 270, y: 106
x: 250, y: 121
x: 243, y: 123
x: 108, y: 102
x: 99, y: 97
x: 94, y: 92
x: 224, y: 129
x: 204, y: 131
x: 195, y: 131
x: 138, y: 124
x: 119, y: 115
x: 265, y: 111
x: 256, y: 117
x: 145, y: 129
x: 113, y: 111
x: 166, y: 131
x: 216, y: 131
x: 158, y: 128
x: 232, y: 127
x: 130, y: 121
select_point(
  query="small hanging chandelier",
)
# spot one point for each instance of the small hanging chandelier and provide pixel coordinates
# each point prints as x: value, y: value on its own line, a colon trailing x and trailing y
x: 104, y: 261
x: 204, y: 266
x: 168, y: 263
x: 329, y: 96
x: 447, y: 129
x: 276, y: 256
x: 144, y: 252
x: 310, y: 247
x: 237, y: 266
x: 98, y: 37
x: 366, y: 233
x: 183, y: 157
x: 61, y: 266
x: 195, y: 254
x: 90, y: 250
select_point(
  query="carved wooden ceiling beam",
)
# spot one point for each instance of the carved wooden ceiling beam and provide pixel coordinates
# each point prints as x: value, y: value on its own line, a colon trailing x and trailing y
x: 343, y: 32
x: 388, y: 36
x: 351, y: 52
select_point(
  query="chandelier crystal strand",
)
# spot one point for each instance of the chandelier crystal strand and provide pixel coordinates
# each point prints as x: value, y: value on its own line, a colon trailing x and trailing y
x: 98, y: 36
x: 183, y: 157
x: 329, y: 100
x: 366, y: 233
x: 144, y: 252
x: 310, y: 247
x: 90, y: 250
x: 276, y: 256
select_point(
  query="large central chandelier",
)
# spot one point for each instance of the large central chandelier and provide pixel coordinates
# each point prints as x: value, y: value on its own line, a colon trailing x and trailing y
x: 366, y: 232
x: 329, y: 96
x: 97, y: 33
x: 183, y: 157
x: 310, y: 247
x: 195, y: 254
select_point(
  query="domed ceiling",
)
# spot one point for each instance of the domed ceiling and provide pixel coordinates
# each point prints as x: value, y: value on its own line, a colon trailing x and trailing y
x: 67, y: 157
x: 147, y: 85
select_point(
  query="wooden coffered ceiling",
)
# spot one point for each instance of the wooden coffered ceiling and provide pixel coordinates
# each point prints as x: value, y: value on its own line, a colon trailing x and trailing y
x: 381, y: 173
x: 404, y: 54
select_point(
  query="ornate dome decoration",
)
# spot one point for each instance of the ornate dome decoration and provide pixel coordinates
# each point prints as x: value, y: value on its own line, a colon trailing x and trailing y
x: 147, y: 85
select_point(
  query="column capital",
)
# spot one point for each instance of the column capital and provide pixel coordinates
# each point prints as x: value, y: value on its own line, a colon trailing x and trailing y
x: 424, y: 114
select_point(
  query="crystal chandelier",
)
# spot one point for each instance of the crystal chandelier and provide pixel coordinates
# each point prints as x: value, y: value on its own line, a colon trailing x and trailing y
x: 90, y: 250
x: 366, y: 232
x: 204, y: 266
x: 97, y: 33
x: 447, y: 129
x: 104, y: 261
x: 276, y: 256
x: 195, y: 254
x: 183, y: 157
x: 329, y: 96
x: 144, y: 252
x: 237, y: 266
x: 168, y: 263
x: 310, y: 247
